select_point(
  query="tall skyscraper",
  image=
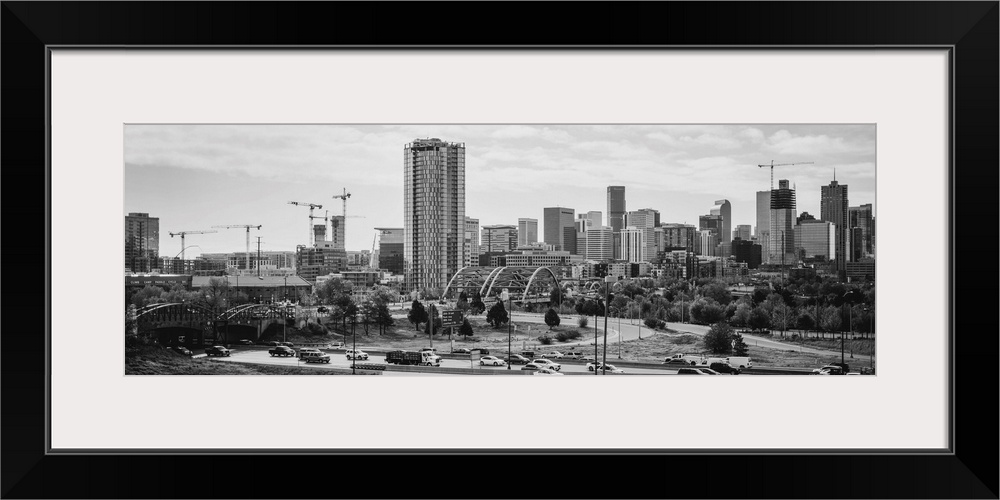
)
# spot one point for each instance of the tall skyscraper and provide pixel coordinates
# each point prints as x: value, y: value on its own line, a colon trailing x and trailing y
x: 679, y: 237
x: 742, y: 232
x: 862, y: 217
x: 142, y: 242
x: 616, y: 208
x: 337, y: 232
x: 763, y: 229
x: 498, y: 238
x: 527, y: 231
x: 724, y: 209
x: 599, y: 243
x: 632, y: 244
x: 390, y: 249
x: 833, y: 208
x: 644, y: 220
x: 560, y: 231
x: 433, y: 212
x: 596, y: 218
x: 706, y: 243
x: 815, y: 239
x: 782, y: 238
x: 471, y: 242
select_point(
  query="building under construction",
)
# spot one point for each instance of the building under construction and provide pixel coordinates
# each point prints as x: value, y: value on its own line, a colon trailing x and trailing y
x: 781, y: 244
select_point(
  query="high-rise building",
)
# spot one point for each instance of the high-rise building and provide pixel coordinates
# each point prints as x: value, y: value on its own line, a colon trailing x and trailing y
x: 782, y: 238
x: 433, y: 212
x: 706, y: 242
x: 498, y: 238
x: 600, y: 241
x: 142, y: 242
x: 560, y: 230
x: 714, y: 225
x: 596, y: 218
x: 814, y: 239
x: 471, y: 242
x: 390, y: 249
x: 724, y: 209
x: 862, y: 217
x: 633, y: 244
x: 643, y: 220
x: 616, y: 208
x: 527, y: 231
x: 833, y: 208
x: 762, y: 231
x: 742, y: 232
x: 678, y: 237
x: 337, y: 231
x: 746, y: 251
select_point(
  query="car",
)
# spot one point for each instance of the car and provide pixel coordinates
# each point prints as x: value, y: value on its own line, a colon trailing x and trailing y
x: 273, y: 343
x: 547, y: 371
x: 281, y: 350
x: 482, y: 350
x: 690, y: 371
x: 675, y: 361
x: 574, y: 355
x: 322, y: 309
x: 552, y: 355
x: 336, y: 345
x: 532, y: 366
x: 245, y: 342
x: 356, y: 354
x: 461, y: 350
x: 547, y: 363
x: 307, y: 350
x: 724, y: 368
x: 708, y: 371
x: 314, y: 356
x: 182, y: 350
x: 831, y: 369
x: 429, y: 349
x: 288, y: 344
x: 528, y: 354
x: 517, y: 359
x: 605, y: 368
x: 217, y: 350
x: 491, y: 360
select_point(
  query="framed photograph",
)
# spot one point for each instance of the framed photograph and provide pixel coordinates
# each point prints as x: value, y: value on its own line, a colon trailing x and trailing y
x: 720, y: 156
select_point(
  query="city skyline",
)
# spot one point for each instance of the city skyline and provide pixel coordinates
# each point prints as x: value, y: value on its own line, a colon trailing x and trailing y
x: 192, y: 177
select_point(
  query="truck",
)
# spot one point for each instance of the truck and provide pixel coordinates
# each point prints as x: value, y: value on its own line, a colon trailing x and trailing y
x: 691, y: 359
x: 413, y: 358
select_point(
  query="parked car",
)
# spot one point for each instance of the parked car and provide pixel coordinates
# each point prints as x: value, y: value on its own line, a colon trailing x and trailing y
x: 182, y: 350
x: 547, y: 371
x: 724, y: 368
x: 517, y: 359
x: 281, y: 350
x: 547, y: 363
x: 357, y: 354
x: 491, y: 360
x: 217, y: 350
x: 552, y: 355
x: 690, y: 371
x: 246, y: 342
x: 461, y: 350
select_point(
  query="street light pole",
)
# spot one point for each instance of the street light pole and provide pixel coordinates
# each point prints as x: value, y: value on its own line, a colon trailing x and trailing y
x: 608, y: 280
x: 505, y: 295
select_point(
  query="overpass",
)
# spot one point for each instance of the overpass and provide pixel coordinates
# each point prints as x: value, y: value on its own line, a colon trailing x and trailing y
x: 525, y: 283
x: 190, y: 324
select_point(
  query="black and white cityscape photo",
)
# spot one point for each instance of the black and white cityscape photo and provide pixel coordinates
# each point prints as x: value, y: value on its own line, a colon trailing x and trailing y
x: 432, y: 250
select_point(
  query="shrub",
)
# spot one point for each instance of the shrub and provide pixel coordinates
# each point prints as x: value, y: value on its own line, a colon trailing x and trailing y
x: 651, y: 322
x: 582, y: 322
x: 661, y: 324
x: 562, y: 337
x: 316, y: 329
x: 545, y: 339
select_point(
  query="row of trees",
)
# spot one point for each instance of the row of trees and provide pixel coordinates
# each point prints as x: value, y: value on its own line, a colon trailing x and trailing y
x: 338, y: 295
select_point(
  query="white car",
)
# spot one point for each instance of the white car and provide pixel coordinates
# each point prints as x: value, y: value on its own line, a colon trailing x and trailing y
x: 546, y: 371
x: 606, y: 368
x: 552, y: 355
x: 358, y: 354
x: 491, y: 360
x: 547, y: 363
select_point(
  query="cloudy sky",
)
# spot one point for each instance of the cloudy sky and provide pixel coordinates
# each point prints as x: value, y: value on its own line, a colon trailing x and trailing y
x: 196, y: 176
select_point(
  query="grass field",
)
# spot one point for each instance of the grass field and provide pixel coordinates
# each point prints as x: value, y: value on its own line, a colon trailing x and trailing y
x: 154, y: 360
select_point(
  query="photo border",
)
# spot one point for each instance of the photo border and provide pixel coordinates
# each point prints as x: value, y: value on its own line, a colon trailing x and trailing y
x: 32, y: 30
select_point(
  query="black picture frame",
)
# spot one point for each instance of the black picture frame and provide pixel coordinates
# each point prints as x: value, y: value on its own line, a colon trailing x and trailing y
x: 968, y: 29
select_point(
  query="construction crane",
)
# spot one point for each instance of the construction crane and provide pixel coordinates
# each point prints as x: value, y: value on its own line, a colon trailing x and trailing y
x: 182, y: 233
x: 248, y: 227
x: 311, y: 206
x: 344, y: 197
x: 772, y: 165
x: 372, y: 258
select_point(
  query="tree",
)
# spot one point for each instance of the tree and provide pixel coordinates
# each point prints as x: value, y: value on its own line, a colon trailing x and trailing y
x: 148, y: 295
x: 368, y: 314
x: 437, y: 325
x: 717, y: 291
x: 719, y: 339
x: 417, y: 314
x: 740, y: 348
x: 351, y: 313
x: 215, y: 295
x: 466, y: 329
x: 497, y: 315
x: 383, y: 318
x: 805, y: 321
x: 759, y: 319
x: 332, y: 289
x: 829, y: 318
x: 782, y: 317
x: 741, y: 317
x: 555, y: 296
x: 552, y: 318
x: 477, y: 306
x: 707, y: 311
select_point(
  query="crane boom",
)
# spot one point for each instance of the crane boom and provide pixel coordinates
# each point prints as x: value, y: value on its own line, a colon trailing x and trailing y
x: 311, y: 206
x: 248, y: 227
x: 772, y: 165
x: 344, y: 196
x: 182, y: 233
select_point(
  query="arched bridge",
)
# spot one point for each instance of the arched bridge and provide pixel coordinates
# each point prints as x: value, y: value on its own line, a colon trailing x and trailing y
x: 194, y: 324
x: 525, y: 284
